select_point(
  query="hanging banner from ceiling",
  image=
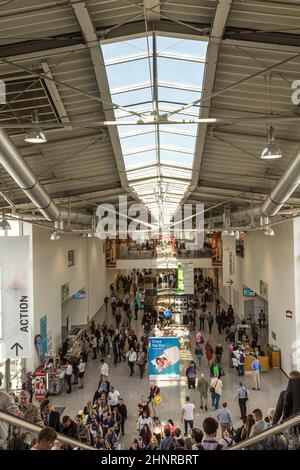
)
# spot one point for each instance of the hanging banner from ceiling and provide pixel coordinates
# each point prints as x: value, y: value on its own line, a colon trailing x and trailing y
x: 229, y: 261
x: 16, y: 293
x: 216, y: 248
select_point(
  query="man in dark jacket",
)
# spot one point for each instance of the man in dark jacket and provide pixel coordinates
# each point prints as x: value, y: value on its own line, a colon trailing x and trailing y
x: 69, y: 428
x: 122, y: 409
x: 49, y: 416
x: 279, y: 407
x: 291, y: 404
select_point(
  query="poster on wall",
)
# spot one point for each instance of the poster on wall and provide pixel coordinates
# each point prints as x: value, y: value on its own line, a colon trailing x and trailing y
x: 111, y: 253
x: 263, y: 289
x: 65, y: 292
x: 164, y: 361
x: 216, y: 248
x: 40, y: 386
x: 43, y: 333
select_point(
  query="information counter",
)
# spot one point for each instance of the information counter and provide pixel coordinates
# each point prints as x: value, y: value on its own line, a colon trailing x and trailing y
x: 264, y: 361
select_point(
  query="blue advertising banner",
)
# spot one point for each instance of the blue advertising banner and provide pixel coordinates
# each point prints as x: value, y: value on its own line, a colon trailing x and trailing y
x: 164, y: 363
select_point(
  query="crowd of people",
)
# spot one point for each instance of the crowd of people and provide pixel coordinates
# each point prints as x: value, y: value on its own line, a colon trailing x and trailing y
x: 101, y: 422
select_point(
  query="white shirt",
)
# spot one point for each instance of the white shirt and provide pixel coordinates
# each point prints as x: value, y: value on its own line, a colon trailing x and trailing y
x: 69, y: 370
x: 217, y: 384
x: 132, y: 356
x: 188, y: 411
x: 104, y: 369
x: 81, y: 367
x: 113, y: 397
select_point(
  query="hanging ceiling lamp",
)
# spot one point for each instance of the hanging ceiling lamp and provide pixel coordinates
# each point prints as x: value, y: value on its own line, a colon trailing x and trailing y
x: 4, y: 224
x: 272, y: 149
x: 35, y: 136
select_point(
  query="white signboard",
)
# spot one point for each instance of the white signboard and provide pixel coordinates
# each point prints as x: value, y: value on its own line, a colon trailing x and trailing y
x: 16, y: 297
x: 229, y: 262
x: 188, y: 278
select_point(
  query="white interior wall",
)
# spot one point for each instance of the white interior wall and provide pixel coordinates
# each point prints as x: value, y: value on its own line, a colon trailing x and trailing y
x: 51, y: 271
x: 271, y: 259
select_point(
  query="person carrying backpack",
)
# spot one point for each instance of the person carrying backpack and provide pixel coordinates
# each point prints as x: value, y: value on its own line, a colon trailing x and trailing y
x: 209, y: 442
x: 242, y: 397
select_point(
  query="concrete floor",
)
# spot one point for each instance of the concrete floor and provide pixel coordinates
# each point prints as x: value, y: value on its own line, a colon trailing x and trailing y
x: 131, y: 388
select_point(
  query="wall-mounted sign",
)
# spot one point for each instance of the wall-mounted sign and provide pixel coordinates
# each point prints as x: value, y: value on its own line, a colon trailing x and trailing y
x: 289, y: 314
x: 65, y: 292
x: 263, y: 289
x: 248, y: 293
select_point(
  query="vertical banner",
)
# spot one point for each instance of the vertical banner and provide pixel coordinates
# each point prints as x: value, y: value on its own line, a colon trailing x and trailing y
x: 16, y: 289
x: 164, y: 363
x: 40, y: 385
x: 43, y: 333
x: 111, y: 253
x: 229, y: 262
x: 216, y: 248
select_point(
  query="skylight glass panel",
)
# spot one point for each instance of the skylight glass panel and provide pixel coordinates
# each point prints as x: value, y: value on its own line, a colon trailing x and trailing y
x: 178, y: 159
x: 177, y: 140
x: 133, y: 97
x: 140, y: 159
x: 128, y: 74
x: 138, y: 141
x: 128, y: 48
x: 183, y: 47
x: 158, y: 159
x: 178, y: 95
x: 179, y: 72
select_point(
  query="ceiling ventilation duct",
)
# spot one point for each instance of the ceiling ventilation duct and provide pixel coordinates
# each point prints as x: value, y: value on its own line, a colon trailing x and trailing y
x: 283, y: 189
x: 15, y: 165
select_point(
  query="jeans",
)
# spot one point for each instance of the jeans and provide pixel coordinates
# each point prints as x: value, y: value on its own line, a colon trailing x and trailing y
x: 201, y: 324
x: 215, y: 398
x: 203, y: 400
x: 188, y: 423
x: 142, y: 370
x: 240, y: 370
x: 68, y: 380
x: 131, y: 366
x: 191, y: 382
x: 198, y: 358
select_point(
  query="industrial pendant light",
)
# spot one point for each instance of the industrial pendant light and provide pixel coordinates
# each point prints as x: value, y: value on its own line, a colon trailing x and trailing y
x: 272, y: 149
x: 4, y: 224
x: 55, y: 235
x: 35, y: 136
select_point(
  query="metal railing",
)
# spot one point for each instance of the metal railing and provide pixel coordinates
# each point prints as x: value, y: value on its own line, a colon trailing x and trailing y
x: 284, y: 430
x: 25, y: 425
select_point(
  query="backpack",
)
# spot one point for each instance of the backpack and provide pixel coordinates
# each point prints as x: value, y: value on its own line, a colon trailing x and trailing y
x: 242, y: 358
x: 218, y: 446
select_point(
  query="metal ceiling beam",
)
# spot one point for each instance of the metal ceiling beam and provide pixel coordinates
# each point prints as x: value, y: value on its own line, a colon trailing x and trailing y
x: 55, y: 96
x: 91, y: 38
x: 219, y: 24
x: 152, y: 10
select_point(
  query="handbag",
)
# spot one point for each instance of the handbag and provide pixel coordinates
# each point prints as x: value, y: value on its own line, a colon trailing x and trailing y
x: 157, y: 399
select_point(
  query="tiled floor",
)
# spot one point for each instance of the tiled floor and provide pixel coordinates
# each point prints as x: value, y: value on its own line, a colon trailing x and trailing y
x: 131, y: 388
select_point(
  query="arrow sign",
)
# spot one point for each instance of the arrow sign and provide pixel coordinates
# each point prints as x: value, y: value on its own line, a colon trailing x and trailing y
x: 16, y: 345
x: 230, y: 282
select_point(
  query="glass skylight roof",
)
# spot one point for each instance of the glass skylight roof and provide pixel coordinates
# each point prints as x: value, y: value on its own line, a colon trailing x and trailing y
x: 152, y: 76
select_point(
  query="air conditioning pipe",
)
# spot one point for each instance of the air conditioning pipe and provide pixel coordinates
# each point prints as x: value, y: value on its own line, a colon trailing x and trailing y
x: 15, y: 165
x: 283, y: 189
